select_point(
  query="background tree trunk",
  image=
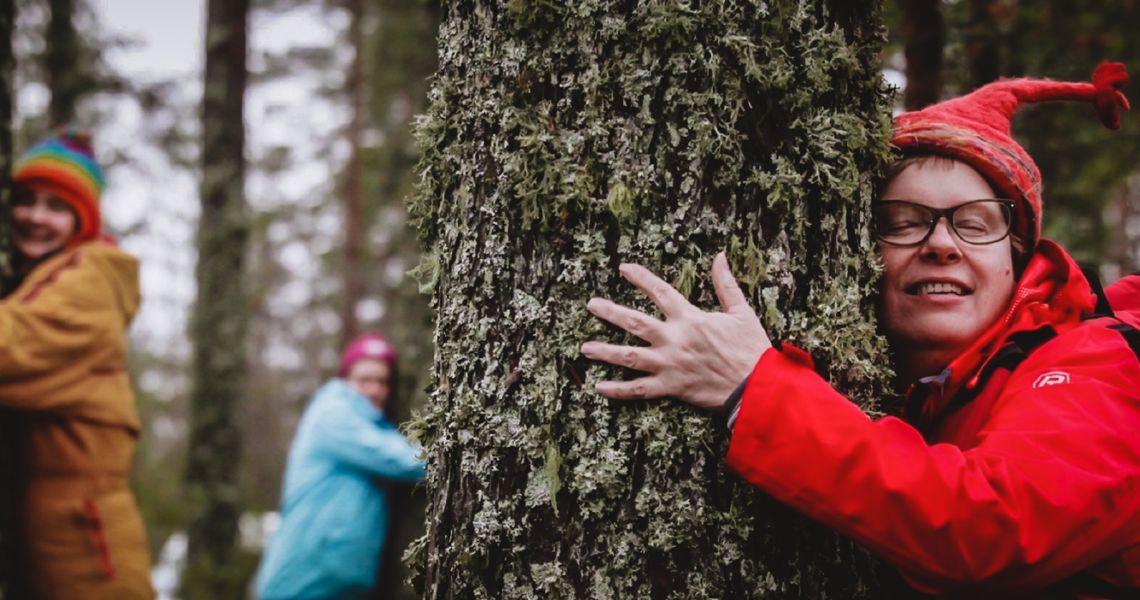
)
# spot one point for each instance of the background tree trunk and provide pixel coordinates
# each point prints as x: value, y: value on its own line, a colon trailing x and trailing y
x: 562, y: 139
x: 66, y: 79
x: 983, y: 42
x: 399, y: 60
x: 924, y: 32
x: 218, y: 325
x: 354, y: 223
x: 7, y: 71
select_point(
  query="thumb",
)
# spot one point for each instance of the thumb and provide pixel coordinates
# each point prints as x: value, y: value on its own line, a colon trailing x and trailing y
x: 727, y: 290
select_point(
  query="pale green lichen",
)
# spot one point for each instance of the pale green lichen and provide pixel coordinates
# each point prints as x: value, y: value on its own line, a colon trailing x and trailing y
x: 562, y: 139
x: 620, y: 201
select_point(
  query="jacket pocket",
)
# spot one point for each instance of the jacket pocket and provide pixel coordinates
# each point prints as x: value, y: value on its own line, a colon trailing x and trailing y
x: 81, y: 548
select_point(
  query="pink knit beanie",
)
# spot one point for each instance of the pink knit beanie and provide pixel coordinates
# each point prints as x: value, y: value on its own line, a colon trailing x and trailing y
x: 367, y: 345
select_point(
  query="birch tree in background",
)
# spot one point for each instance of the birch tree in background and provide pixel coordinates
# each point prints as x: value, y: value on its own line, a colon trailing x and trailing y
x: 563, y: 138
x: 218, y: 322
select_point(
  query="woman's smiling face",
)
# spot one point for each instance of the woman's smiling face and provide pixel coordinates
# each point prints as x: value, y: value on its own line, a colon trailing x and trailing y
x: 941, y: 295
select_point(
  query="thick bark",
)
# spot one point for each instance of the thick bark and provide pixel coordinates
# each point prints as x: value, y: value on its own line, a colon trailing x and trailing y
x: 562, y: 139
x: 218, y: 324
x: 924, y: 33
x: 7, y: 69
x: 352, y: 277
x: 66, y: 79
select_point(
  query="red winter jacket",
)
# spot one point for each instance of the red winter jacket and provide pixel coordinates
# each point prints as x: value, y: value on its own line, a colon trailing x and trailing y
x: 1124, y: 296
x: 1016, y: 481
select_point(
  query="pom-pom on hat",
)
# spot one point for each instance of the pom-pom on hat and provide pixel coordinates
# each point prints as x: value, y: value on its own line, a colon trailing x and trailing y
x: 975, y: 129
x: 367, y: 345
x: 65, y: 165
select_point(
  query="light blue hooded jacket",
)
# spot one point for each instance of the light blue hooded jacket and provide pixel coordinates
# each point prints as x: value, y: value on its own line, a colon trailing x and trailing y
x: 334, y: 508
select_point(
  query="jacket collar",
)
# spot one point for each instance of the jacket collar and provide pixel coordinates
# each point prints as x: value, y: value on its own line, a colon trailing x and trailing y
x: 357, y: 402
x: 1052, y: 292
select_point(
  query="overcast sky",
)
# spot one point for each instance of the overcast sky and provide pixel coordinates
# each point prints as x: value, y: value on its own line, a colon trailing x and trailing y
x: 170, y: 32
x: 158, y: 202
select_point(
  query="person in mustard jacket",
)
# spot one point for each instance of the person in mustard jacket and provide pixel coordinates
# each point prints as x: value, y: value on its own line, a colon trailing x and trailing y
x: 63, y: 375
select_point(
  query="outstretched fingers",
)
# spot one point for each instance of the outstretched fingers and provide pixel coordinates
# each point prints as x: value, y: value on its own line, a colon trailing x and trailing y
x: 632, y: 321
x: 668, y: 299
x: 637, y: 389
x: 731, y: 297
x: 696, y: 356
x: 638, y: 358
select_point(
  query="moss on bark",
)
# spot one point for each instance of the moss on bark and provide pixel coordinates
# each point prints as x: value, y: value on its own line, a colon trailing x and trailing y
x: 563, y: 138
x: 215, y: 569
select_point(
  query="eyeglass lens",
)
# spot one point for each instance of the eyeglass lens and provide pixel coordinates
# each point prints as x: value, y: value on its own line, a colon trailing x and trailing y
x: 978, y: 222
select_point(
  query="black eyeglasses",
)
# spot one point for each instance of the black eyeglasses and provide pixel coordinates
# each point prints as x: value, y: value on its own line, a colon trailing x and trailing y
x: 978, y: 222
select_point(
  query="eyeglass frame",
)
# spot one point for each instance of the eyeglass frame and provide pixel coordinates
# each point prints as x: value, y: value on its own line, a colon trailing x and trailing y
x: 948, y: 213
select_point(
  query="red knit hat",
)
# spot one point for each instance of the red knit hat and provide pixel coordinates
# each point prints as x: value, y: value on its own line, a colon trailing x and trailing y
x: 975, y: 129
x: 367, y: 345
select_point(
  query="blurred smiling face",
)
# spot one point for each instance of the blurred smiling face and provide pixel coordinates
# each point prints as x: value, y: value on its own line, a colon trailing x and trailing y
x: 372, y: 378
x: 939, y: 295
x: 42, y: 222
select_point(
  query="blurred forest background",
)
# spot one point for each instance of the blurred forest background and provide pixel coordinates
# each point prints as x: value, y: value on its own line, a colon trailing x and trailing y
x: 330, y: 102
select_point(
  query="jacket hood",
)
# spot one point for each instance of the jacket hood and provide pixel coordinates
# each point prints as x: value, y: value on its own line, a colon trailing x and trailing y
x: 1052, y: 292
x: 122, y: 273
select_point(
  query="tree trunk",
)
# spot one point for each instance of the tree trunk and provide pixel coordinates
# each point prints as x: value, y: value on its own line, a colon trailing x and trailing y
x: 218, y: 324
x: 64, y: 73
x: 7, y: 72
x: 925, y: 35
x: 354, y: 224
x: 399, y: 61
x: 564, y: 138
x: 983, y: 39
x: 7, y: 102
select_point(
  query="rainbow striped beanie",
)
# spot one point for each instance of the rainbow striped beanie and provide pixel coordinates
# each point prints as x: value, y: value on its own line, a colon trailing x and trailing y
x: 65, y: 165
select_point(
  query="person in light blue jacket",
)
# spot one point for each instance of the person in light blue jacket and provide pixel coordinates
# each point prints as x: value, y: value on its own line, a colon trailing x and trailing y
x: 334, y: 508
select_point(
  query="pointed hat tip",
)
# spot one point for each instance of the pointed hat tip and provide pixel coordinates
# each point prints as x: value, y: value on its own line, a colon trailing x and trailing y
x: 1109, y: 100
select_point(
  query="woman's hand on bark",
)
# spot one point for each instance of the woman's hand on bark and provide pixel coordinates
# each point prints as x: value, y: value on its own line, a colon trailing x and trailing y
x: 699, y: 357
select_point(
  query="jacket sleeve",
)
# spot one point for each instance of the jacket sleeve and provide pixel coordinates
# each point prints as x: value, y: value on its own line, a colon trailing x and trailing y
x: 1051, y: 487
x: 358, y: 443
x: 57, y: 334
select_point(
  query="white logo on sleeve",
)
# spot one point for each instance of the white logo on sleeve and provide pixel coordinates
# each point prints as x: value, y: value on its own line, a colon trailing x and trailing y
x: 1051, y: 378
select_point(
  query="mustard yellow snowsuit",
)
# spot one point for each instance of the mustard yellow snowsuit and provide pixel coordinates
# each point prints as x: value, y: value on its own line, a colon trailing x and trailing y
x: 63, y: 375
